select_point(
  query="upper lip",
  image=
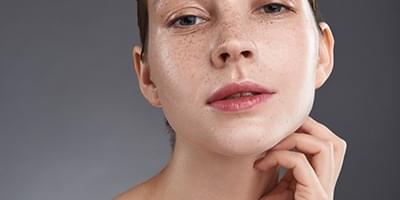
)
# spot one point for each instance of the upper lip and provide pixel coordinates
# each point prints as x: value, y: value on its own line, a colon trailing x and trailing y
x: 232, y: 88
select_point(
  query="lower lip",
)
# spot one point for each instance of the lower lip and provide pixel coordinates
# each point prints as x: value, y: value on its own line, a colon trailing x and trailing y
x: 239, y: 104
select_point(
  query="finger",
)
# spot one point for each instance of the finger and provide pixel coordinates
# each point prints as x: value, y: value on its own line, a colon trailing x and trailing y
x: 286, y: 183
x: 320, y: 151
x: 284, y: 189
x: 297, y: 162
x: 312, y: 127
x: 289, y: 180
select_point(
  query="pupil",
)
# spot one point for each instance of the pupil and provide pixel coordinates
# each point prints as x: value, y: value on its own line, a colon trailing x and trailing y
x: 188, y: 20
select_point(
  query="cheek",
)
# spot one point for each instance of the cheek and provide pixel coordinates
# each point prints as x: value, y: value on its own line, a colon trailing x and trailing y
x: 289, y: 55
x: 180, y: 69
x: 297, y: 71
x: 182, y: 72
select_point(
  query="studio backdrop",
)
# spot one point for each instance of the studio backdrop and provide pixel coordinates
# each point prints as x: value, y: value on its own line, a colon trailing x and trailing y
x: 73, y: 124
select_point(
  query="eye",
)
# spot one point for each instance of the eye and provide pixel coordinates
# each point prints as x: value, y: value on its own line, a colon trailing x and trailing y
x: 274, y: 8
x: 187, y: 20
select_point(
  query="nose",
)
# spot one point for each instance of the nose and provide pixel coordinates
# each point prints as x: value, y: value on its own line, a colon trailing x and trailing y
x: 234, y: 50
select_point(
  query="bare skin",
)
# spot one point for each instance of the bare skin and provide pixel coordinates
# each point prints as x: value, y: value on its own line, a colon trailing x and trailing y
x: 236, y: 156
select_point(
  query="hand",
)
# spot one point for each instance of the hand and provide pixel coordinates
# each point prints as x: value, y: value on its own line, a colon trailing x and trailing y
x: 312, y: 169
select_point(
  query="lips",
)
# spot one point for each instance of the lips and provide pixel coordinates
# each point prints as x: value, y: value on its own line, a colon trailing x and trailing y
x: 243, y: 88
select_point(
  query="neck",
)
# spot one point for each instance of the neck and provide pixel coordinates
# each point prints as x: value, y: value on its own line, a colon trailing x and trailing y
x: 195, y: 174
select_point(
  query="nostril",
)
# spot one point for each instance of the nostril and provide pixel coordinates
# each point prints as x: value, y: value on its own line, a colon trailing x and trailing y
x: 246, y: 53
x: 224, y: 56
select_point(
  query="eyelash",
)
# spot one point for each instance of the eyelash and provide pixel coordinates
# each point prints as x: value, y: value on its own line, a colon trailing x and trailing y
x: 281, y: 6
x: 176, y: 20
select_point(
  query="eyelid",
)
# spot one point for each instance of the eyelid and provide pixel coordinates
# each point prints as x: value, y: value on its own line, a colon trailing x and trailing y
x: 186, y: 11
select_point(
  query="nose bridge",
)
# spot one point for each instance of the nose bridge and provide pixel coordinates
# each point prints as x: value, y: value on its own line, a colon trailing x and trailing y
x: 234, y: 42
x: 232, y: 26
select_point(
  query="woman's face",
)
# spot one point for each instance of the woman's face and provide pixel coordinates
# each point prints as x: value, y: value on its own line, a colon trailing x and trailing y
x: 186, y: 67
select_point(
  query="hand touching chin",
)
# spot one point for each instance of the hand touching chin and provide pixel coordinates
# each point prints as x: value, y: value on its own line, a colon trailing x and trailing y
x: 313, y: 157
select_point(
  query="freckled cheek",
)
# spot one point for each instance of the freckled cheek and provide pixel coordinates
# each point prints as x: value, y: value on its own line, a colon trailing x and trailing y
x: 181, y: 68
x: 190, y: 51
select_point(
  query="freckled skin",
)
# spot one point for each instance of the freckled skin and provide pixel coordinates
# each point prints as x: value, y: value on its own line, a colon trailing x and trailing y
x: 215, y: 152
x: 186, y: 75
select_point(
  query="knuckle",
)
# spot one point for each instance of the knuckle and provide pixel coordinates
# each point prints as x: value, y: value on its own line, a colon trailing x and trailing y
x: 300, y: 157
x: 328, y: 146
x: 342, y: 144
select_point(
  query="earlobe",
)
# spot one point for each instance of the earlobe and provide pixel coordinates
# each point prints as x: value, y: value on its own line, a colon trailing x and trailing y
x: 143, y: 75
x: 325, y: 55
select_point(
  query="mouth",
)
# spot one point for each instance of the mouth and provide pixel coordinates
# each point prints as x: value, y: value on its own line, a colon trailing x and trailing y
x: 239, y: 96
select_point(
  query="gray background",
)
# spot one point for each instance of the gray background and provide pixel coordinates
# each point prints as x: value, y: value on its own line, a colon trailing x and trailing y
x: 73, y: 124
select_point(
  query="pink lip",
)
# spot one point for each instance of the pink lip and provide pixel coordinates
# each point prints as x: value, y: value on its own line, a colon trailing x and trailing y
x: 231, y: 105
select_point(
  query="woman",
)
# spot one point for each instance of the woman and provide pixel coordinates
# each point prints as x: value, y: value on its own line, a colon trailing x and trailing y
x: 236, y: 81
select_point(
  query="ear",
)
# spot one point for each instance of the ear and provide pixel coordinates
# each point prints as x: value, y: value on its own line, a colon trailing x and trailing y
x: 325, y: 61
x: 146, y: 84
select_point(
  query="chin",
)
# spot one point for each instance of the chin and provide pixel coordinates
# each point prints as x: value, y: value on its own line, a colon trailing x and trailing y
x: 245, y: 140
x: 245, y: 135
x: 257, y: 136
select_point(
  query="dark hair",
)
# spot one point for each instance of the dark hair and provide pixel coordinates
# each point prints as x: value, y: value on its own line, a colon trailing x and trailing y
x: 143, y: 22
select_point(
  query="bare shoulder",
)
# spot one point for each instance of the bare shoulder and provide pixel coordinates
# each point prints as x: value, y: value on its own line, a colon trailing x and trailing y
x: 139, y: 192
x: 143, y: 191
